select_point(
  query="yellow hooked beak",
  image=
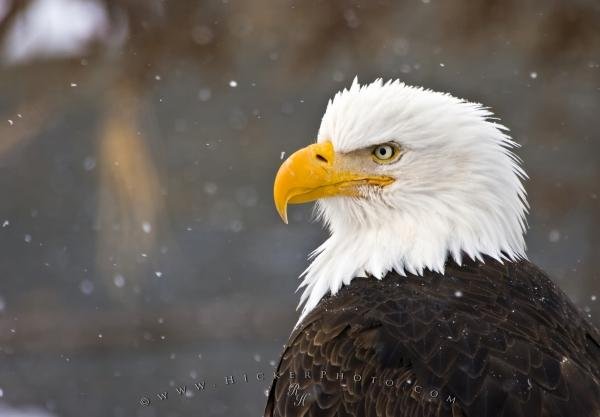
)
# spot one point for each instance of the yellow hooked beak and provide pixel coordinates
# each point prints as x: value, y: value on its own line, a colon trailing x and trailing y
x: 313, y: 173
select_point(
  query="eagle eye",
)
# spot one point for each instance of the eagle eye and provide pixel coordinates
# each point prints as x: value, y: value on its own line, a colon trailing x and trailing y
x: 386, y: 153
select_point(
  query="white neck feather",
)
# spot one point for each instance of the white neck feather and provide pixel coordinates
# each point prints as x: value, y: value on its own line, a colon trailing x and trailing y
x: 411, y: 242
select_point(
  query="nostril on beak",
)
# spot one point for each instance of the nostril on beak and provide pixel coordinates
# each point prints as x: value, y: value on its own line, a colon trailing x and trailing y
x: 321, y: 158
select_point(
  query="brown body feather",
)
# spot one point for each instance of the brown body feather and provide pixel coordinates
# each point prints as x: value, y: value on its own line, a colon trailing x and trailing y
x: 484, y: 339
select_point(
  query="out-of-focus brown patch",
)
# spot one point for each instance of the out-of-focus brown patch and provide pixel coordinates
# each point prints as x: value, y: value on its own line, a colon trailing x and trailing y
x: 568, y: 30
x: 472, y: 20
x: 356, y: 26
x: 130, y: 198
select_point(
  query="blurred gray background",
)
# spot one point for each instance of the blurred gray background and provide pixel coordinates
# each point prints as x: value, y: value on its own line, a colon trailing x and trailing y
x: 139, y: 247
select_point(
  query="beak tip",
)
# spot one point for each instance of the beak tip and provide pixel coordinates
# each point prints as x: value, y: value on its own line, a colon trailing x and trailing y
x: 283, y: 215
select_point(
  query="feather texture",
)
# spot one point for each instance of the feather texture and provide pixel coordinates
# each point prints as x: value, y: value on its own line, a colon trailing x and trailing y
x: 486, y: 339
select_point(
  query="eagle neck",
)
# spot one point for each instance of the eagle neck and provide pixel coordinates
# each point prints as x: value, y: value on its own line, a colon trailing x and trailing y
x: 404, y: 245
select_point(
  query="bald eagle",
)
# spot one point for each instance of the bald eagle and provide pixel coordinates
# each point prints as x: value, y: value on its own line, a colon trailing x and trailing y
x: 422, y: 301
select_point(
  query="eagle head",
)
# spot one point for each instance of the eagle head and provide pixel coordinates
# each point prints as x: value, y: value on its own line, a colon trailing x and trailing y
x: 404, y: 178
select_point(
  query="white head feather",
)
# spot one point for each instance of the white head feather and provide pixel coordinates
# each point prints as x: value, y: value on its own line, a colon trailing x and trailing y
x: 457, y: 191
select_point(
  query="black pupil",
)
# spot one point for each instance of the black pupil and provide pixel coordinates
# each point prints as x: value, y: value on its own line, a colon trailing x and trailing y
x: 384, y: 151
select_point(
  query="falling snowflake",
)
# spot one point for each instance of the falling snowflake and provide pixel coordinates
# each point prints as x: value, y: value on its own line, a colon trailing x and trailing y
x: 86, y: 286
x: 146, y: 227
x: 554, y: 236
x: 119, y: 280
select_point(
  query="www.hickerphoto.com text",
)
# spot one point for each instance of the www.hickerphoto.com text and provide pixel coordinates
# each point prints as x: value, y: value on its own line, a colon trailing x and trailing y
x: 347, y: 380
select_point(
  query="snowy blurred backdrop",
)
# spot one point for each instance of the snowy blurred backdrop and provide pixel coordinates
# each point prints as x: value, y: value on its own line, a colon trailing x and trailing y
x: 139, y: 247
